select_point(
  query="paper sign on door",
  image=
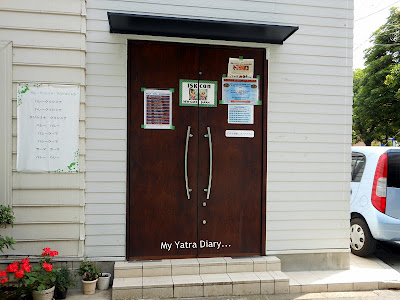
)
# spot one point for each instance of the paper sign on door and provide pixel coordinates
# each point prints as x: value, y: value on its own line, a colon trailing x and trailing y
x: 240, y: 114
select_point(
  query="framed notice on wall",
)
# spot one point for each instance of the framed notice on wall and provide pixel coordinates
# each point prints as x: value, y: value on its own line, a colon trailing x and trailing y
x: 47, y: 128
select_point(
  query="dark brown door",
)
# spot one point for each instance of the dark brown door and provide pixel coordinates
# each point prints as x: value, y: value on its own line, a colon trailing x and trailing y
x: 162, y: 221
x: 233, y: 213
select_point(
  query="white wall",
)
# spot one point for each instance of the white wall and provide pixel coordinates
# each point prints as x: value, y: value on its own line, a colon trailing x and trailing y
x: 48, y: 46
x: 309, y: 119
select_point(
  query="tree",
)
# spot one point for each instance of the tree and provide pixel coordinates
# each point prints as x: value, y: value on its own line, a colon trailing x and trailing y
x: 376, y: 105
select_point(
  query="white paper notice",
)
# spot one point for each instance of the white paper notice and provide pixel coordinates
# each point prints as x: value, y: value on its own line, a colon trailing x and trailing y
x: 157, y: 109
x: 47, y: 128
x: 240, y: 114
x: 239, y: 133
x: 242, y: 68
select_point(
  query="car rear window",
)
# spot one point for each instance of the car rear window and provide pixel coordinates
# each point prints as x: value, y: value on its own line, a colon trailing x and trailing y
x: 393, y: 176
x: 357, y: 166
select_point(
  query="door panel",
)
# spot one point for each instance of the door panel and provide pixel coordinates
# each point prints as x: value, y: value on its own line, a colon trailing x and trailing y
x: 233, y: 212
x: 159, y: 210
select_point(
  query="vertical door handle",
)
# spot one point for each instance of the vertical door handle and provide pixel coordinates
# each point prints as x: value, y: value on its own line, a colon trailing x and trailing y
x: 208, y: 189
x: 188, y: 135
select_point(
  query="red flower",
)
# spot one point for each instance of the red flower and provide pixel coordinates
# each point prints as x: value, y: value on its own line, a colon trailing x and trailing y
x: 3, y: 273
x: 12, y: 267
x: 25, y: 261
x: 53, y: 253
x: 26, y: 267
x: 4, y: 280
x: 19, y: 274
x: 47, y: 267
x: 46, y: 251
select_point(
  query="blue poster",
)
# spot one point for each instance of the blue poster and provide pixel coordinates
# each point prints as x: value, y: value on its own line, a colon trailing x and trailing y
x: 240, y: 91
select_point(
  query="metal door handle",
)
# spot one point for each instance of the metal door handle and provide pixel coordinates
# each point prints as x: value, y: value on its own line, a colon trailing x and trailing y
x: 188, y: 135
x: 208, y: 189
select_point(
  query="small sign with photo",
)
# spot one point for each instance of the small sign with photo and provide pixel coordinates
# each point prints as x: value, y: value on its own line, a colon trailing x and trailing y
x: 201, y: 93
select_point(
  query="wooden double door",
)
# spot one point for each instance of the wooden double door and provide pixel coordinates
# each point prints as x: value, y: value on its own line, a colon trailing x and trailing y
x: 171, y: 173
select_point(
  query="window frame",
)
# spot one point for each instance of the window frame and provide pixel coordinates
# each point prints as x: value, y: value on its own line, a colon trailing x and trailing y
x: 353, y: 175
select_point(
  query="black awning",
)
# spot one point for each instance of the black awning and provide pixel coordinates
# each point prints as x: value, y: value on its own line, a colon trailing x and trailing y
x: 200, y: 29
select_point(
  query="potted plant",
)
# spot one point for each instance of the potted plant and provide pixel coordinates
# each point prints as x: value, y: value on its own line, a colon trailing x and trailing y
x: 90, y: 274
x: 64, y: 280
x: 41, y: 280
x: 104, y: 281
x: 37, y: 281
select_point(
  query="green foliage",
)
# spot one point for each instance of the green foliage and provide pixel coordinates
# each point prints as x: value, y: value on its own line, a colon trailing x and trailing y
x: 376, y: 104
x: 6, y: 215
x: 39, y: 279
x: 88, y: 271
x: 6, y: 218
x: 64, y: 279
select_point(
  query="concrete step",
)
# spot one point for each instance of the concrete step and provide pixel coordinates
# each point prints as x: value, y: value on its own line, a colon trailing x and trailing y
x: 199, y: 277
x: 201, y: 285
x: 196, y: 266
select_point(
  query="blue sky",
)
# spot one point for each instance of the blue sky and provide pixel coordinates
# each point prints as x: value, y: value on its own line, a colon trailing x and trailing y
x: 369, y: 15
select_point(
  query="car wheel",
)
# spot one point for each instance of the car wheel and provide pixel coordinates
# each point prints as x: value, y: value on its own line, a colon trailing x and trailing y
x: 361, y: 241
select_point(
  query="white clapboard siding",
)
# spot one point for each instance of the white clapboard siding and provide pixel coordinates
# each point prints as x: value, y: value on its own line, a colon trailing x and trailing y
x: 33, y: 232
x: 48, y: 47
x: 50, y: 57
x: 309, y: 118
x: 305, y: 128
x: 45, y: 197
x: 32, y: 20
x: 49, y: 74
x: 67, y: 248
x: 334, y: 234
x: 307, y: 206
x: 110, y: 102
x: 300, y: 167
x: 48, y: 215
x: 307, y: 177
x: 106, y: 198
x: 93, y: 230
x: 49, y: 6
x: 304, y: 196
x: 329, y: 245
x: 307, y: 225
x: 118, y: 252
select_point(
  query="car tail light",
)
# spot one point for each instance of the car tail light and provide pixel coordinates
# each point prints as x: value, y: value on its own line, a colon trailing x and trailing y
x: 378, y: 196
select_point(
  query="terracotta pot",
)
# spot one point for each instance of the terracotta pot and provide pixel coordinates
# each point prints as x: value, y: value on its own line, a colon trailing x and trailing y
x: 104, y: 281
x: 43, y: 295
x: 89, y: 287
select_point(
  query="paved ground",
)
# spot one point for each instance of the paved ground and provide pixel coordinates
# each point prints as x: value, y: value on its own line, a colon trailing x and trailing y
x: 364, y: 273
x: 389, y: 252
x: 368, y: 295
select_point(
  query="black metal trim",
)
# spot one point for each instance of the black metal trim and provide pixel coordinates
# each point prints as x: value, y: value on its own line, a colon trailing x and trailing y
x: 200, y: 29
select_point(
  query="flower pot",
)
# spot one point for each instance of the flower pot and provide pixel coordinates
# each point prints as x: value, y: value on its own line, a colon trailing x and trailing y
x: 43, y: 295
x: 60, y: 294
x: 104, y: 281
x: 89, y: 287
